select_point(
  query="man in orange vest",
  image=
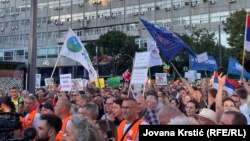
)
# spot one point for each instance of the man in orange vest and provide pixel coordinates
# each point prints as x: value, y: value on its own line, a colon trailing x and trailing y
x: 129, y: 128
x: 33, y: 117
x: 62, y: 109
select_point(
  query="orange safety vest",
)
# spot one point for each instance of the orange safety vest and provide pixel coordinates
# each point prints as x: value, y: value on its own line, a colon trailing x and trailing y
x: 131, y: 134
x: 27, y: 121
x: 63, y: 129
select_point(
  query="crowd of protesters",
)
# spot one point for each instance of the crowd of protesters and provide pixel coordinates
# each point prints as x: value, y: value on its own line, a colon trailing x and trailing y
x: 114, y: 114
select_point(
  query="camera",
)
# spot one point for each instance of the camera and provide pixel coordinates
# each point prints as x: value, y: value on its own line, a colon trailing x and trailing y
x: 9, y: 122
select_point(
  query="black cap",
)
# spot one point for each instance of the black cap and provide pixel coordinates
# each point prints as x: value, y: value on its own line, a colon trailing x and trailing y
x: 47, y: 106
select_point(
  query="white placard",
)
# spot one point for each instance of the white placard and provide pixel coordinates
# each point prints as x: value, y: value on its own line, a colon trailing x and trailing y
x: 202, y: 57
x: 84, y: 83
x: 65, y: 82
x: 191, y: 79
x: 49, y: 82
x: 141, y: 59
x: 38, y: 80
x: 186, y: 74
x: 198, y: 76
x: 138, y: 88
x: 77, y: 84
x: 139, y: 76
x: 161, y: 79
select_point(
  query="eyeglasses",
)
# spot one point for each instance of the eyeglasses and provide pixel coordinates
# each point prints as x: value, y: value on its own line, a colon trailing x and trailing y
x: 127, y: 107
x: 74, y: 95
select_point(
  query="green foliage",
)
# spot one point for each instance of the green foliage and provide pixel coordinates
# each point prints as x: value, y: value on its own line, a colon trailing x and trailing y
x: 116, y: 42
x: 112, y: 44
x: 235, y: 28
x: 91, y: 48
x: 201, y: 41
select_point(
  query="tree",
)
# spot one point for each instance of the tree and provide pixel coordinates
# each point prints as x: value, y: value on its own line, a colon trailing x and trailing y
x: 116, y: 42
x: 201, y: 41
x: 117, y: 45
x: 235, y: 28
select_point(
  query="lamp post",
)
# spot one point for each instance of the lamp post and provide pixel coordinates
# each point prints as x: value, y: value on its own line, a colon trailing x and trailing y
x: 32, y: 48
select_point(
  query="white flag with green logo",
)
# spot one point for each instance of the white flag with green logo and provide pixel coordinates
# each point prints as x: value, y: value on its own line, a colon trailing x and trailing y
x: 74, y: 49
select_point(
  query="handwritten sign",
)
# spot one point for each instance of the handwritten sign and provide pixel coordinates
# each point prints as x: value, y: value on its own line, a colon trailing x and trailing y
x: 141, y: 59
x: 65, y: 82
x: 139, y: 76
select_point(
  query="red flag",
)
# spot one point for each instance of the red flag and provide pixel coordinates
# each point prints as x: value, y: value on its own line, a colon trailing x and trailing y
x: 126, y: 75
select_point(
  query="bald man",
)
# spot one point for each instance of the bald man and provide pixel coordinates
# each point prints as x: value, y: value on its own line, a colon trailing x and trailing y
x: 146, y: 112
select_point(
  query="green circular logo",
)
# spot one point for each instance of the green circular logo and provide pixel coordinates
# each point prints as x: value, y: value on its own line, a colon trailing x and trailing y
x: 73, y: 44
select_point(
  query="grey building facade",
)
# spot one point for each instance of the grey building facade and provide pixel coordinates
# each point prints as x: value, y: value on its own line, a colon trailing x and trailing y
x: 92, y: 18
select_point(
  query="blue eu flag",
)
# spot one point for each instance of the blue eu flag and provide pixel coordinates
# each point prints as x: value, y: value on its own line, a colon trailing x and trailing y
x: 169, y: 43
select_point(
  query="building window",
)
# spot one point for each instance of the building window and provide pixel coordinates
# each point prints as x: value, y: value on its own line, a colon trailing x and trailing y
x: 41, y: 53
x: 52, y: 52
x: 8, y: 55
x: 19, y: 54
x: 1, y: 55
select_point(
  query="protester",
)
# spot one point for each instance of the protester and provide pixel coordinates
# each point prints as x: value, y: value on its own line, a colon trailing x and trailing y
x: 145, y: 112
x: 82, y: 129
x: 90, y: 110
x: 7, y: 105
x: 103, y: 126
x: 108, y: 107
x: 48, y: 127
x: 46, y: 108
x: 167, y: 113
x: 233, y: 117
x: 207, y: 117
x: 16, y: 99
x: 62, y: 110
x: 129, y: 128
x: 117, y: 111
x: 33, y: 117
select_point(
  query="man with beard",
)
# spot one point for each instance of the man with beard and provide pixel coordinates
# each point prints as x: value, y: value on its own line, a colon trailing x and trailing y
x: 48, y: 127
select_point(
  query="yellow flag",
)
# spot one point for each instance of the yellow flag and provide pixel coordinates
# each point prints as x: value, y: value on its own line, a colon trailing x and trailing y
x: 101, y: 82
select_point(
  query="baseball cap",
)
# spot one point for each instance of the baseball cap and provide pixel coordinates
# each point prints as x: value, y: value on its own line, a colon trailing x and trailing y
x: 47, y: 106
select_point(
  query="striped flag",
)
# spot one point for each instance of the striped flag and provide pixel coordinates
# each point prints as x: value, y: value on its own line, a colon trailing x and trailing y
x: 247, y: 34
x: 230, y: 85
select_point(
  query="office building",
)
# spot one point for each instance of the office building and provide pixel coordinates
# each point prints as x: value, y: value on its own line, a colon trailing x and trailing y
x: 92, y: 18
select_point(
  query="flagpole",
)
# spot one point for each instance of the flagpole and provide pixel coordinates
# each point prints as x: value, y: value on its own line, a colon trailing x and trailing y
x: 55, y: 66
x: 175, y: 69
x: 104, y: 109
x: 243, y: 53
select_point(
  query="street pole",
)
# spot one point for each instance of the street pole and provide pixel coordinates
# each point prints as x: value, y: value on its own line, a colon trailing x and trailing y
x: 220, y: 46
x: 32, y: 51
